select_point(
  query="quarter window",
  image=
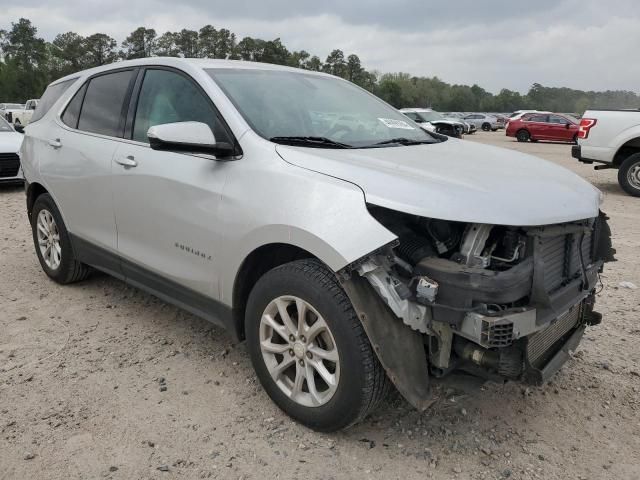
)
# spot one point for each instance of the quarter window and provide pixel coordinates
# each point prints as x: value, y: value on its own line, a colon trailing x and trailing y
x: 102, y: 109
x: 72, y: 112
x: 50, y: 96
x: 169, y: 97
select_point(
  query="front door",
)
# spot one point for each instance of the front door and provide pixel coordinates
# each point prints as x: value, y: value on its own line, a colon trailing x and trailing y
x: 166, y: 203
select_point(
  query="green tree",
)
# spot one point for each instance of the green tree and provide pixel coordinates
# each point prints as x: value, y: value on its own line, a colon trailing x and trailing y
x: 140, y: 43
x: 335, y: 64
x: 186, y: 42
x: 25, y: 56
x: 100, y: 49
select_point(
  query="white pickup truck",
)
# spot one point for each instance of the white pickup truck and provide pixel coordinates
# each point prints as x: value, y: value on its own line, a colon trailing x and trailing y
x: 611, y: 138
x: 21, y: 118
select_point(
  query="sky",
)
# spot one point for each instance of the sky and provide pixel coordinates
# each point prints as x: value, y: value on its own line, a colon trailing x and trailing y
x: 583, y: 44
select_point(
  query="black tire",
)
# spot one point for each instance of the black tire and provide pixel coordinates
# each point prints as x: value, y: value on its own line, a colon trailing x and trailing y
x: 486, y: 127
x: 630, y: 168
x: 523, y: 136
x: 362, y: 382
x: 69, y: 270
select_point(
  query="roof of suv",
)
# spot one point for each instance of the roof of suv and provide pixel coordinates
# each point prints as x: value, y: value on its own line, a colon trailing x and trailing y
x: 201, y: 63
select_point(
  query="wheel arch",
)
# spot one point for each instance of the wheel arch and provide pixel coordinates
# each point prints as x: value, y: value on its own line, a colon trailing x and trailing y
x: 34, y: 190
x: 625, y: 150
x: 253, y: 267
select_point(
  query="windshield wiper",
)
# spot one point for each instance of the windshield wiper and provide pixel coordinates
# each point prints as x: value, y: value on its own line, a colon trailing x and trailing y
x: 401, y: 141
x: 317, y: 142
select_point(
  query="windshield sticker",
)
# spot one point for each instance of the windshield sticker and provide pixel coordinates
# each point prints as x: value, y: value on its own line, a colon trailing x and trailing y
x: 391, y: 123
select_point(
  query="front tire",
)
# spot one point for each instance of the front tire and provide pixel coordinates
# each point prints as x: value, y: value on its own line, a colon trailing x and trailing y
x: 486, y: 127
x: 53, y: 244
x: 523, y: 136
x: 629, y: 175
x: 309, y: 349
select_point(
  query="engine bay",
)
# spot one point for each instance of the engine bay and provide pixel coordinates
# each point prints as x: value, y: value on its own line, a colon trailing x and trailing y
x: 479, y: 293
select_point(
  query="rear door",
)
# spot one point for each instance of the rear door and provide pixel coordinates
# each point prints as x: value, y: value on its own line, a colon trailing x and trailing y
x: 78, y: 164
x: 537, y: 125
x: 166, y: 203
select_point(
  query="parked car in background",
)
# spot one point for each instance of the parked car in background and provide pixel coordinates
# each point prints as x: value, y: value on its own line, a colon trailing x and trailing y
x: 7, y: 110
x: 611, y: 138
x: 10, y: 142
x: 519, y: 113
x: 6, y: 107
x: 469, y: 128
x: 543, y: 126
x: 483, y: 121
x: 21, y: 118
x: 433, y: 121
x: 502, y: 119
x: 348, y: 254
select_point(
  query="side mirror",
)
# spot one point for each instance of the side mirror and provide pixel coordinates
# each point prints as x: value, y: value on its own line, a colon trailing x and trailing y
x: 188, y: 137
x: 567, y: 126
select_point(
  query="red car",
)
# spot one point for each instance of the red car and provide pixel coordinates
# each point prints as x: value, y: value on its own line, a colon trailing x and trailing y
x: 544, y: 126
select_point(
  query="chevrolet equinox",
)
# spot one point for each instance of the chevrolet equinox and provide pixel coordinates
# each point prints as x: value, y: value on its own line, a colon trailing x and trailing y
x: 351, y: 249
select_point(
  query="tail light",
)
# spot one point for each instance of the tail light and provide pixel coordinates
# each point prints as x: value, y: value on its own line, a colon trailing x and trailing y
x: 586, y: 124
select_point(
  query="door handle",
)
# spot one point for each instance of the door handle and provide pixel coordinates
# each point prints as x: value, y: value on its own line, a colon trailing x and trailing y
x: 127, y: 162
x: 55, y: 143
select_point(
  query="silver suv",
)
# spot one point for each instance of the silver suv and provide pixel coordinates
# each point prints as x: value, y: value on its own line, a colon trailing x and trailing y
x: 349, y: 247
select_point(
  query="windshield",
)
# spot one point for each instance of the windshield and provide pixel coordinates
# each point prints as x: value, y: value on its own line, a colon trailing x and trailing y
x: 4, y: 126
x: 283, y: 104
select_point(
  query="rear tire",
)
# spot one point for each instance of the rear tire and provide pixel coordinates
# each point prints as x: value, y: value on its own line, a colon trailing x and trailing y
x: 359, y: 381
x: 53, y: 243
x: 629, y: 175
x: 523, y: 136
x: 486, y: 127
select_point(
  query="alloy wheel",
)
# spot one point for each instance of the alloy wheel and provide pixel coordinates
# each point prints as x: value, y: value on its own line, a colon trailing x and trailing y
x: 49, y: 239
x: 299, y: 351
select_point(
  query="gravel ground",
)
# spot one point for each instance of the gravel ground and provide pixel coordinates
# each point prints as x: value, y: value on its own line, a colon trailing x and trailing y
x: 100, y: 380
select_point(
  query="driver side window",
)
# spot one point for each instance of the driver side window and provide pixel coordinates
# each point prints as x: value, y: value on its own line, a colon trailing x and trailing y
x: 169, y: 97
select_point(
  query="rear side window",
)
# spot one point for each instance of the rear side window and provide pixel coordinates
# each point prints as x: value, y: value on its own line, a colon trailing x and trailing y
x: 50, y: 96
x: 537, y: 118
x: 72, y: 112
x: 558, y: 119
x: 102, y: 109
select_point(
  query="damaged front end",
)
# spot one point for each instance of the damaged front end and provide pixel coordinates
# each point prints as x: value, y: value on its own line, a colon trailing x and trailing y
x: 500, y: 302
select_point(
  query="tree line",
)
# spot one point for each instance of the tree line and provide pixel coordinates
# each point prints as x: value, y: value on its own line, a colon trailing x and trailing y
x: 28, y: 63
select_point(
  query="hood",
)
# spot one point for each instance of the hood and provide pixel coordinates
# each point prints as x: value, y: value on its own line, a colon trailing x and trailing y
x: 458, y: 180
x: 10, y: 142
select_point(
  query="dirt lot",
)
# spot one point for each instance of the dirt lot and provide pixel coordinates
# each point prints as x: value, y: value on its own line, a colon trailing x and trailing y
x: 81, y: 367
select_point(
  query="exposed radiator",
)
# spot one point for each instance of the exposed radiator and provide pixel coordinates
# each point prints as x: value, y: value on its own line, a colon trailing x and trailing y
x: 562, y: 260
x: 538, y: 345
